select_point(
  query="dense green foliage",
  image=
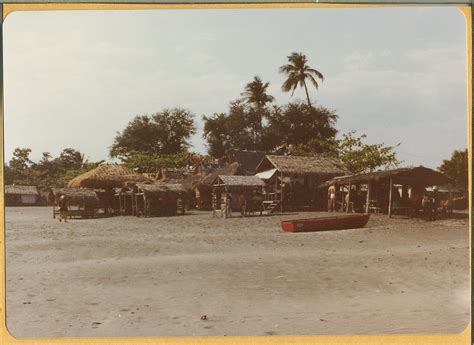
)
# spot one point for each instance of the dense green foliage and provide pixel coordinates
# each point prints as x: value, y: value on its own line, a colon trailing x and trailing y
x: 143, y: 162
x: 457, y: 168
x: 48, y: 172
x: 163, y: 133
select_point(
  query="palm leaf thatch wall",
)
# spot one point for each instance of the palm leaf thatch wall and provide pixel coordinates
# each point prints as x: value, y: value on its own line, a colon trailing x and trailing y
x: 107, y: 176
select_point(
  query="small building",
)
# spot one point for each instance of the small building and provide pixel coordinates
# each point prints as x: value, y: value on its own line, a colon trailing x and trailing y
x: 292, y: 181
x: 82, y: 203
x: 247, y: 160
x: 250, y: 187
x: 158, y: 199
x: 16, y: 195
x: 388, y: 191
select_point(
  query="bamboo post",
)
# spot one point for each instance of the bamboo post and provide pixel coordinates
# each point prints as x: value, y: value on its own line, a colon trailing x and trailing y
x: 348, y: 197
x: 367, y: 201
x: 281, y: 195
x: 390, y: 198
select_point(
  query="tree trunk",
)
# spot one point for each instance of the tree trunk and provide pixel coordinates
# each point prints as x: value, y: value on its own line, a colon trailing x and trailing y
x: 307, y: 94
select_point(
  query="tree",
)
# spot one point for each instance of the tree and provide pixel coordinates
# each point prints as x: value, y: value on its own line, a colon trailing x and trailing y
x: 298, y: 129
x: 165, y: 132
x: 297, y: 72
x: 256, y: 93
x: 69, y: 158
x: 360, y: 157
x: 457, y: 168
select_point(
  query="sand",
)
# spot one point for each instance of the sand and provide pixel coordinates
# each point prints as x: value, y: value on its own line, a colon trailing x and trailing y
x: 137, y: 277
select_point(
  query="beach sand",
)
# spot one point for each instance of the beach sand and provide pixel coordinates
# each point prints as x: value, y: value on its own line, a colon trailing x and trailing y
x: 152, y: 277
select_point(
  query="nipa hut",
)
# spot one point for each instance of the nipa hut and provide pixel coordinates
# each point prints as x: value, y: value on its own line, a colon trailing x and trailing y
x: 104, y: 179
x: 201, y: 185
x: 107, y: 176
x: 16, y: 195
x: 82, y: 202
x: 158, y: 199
x: 246, y: 160
x: 395, y: 190
x: 248, y: 188
x: 292, y: 181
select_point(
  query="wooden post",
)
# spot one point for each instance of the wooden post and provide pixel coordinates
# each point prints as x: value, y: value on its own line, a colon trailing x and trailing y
x: 281, y: 194
x: 348, y: 197
x: 367, y: 201
x: 390, y: 198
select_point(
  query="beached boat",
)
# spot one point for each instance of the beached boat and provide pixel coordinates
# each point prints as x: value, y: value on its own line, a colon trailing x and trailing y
x: 349, y: 221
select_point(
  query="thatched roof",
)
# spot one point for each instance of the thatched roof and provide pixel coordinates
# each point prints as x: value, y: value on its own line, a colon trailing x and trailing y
x: 75, y: 195
x: 417, y: 175
x: 172, y: 175
x: 239, y: 181
x: 247, y: 160
x: 107, y: 176
x: 228, y: 170
x: 300, y: 165
x: 160, y: 188
x: 20, y: 190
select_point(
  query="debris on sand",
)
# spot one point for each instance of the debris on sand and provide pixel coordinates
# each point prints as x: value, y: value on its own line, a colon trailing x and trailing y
x: 204, y: 318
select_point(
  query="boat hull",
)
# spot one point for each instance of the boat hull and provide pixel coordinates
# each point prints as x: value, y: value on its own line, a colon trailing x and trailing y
x: 350, y: 221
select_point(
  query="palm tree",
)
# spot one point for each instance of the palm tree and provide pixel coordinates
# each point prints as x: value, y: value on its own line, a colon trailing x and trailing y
x: 256, y: 93
x: 297, y: 72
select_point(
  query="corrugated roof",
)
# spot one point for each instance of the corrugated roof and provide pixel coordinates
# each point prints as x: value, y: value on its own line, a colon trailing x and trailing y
x: 21, y: 190
x: 248, y: 181
x: 306, y: 165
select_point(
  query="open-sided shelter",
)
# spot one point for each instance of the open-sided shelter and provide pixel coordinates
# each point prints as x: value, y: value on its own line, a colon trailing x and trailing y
x: 104, y: 179
x: 158, y: 199
x: 16, y: 195
x: 292, y: 181
x: 380, y: 190
x: 250, y: 186
x: 82, y: 202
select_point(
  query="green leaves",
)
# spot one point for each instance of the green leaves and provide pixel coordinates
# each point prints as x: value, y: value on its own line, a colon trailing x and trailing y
x: 457, y: 168
x: 166, y: 132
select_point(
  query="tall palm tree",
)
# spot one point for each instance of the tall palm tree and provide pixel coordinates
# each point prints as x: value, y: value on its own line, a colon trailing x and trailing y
x: 298, y: 72
x: 256, y: 93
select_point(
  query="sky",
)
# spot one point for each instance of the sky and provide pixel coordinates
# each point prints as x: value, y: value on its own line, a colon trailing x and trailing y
x: 75, y: 79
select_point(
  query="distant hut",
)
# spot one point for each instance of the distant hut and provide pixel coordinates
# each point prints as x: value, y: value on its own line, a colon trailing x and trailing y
x: 104, y: 179
x: 292, y: 181
x: 247, y: 160
x: 394, y: 190
x: 250, y: 187
x: 123, y: 201
x: 157, y: 199
x: 201, y: 186
x: 82, y: 202
x: 16, y: 195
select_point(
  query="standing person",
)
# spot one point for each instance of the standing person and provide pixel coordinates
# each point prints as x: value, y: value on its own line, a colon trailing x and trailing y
x: 63, y: 208
x: 228, y: 205
x: 242, y: 203
x: 214, y: 205
x: 331, y: 198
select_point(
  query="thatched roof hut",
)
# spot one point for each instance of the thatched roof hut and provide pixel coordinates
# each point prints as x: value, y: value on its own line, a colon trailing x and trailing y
x: 16, y: 195
x: 160, y: 188
x: 107, y: 176
x: 419, y: 176
x: 301, y: 165
x: 239, y: 182
x: 75, y: 196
